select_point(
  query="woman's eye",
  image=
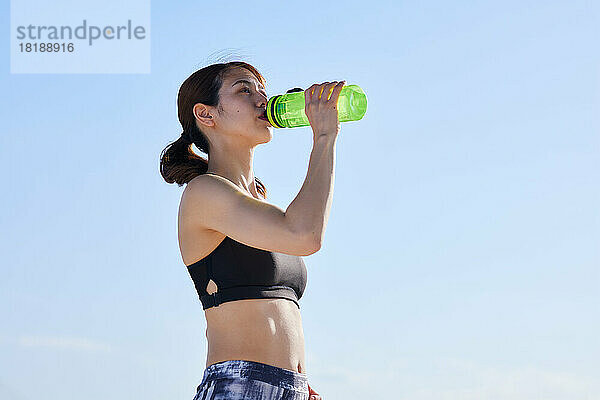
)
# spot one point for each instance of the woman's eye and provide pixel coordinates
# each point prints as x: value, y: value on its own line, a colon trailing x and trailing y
x: 248, y: 90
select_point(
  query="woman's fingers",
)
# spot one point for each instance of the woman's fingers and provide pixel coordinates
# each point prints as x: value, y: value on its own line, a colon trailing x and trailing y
x: 319, y: 91
x: 336, y: 92
x: 321, y: 108
x: 308, y: 93
x: 327, y: 91
x: 324, y: 92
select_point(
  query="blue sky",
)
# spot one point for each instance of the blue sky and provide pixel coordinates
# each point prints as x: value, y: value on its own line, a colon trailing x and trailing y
x: 461, y: 256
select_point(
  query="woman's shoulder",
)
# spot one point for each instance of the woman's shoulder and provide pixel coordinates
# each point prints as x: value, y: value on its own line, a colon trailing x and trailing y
x: 203, y: 183
x: 213, y: 185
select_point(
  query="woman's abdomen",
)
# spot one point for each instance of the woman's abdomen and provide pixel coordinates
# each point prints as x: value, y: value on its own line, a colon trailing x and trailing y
x: 262, y: 330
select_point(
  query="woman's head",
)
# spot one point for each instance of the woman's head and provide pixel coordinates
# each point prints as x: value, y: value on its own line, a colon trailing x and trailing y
x: 242, y: 98
x: 215, y: 108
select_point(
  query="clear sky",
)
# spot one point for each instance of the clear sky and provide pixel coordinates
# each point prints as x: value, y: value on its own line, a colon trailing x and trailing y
x: 461, y: 259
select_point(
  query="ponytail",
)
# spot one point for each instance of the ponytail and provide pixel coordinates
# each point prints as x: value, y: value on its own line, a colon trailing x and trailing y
x: 179, y: 163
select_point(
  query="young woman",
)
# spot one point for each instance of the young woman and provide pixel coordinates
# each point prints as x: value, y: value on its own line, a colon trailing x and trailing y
x: 243, y: 253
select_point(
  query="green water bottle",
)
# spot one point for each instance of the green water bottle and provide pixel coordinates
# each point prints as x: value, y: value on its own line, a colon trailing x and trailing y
x: 287, y: 110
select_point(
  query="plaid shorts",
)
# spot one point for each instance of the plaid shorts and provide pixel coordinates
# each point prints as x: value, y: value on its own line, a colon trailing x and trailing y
x: 243, y: 379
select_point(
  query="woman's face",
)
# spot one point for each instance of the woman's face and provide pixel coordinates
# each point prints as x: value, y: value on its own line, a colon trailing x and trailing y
x: 243, y: 99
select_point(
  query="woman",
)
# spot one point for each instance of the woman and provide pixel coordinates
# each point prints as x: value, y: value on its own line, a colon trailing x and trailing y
x: 244, y: 254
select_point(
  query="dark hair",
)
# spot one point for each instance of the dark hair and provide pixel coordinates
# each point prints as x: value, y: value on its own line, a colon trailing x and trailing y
x: 178, y: 162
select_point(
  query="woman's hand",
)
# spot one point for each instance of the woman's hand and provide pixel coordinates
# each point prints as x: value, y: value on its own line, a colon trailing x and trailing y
x: 312, y: 395
x: 321, y: 110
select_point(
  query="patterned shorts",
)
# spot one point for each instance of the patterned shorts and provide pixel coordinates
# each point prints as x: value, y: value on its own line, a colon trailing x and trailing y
x: 243, y: 379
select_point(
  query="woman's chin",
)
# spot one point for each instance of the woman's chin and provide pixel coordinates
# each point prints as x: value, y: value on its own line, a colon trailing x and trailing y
x: 269, y: 134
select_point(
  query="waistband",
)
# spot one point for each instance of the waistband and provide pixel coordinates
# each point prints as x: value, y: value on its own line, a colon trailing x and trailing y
x: 271, y: 374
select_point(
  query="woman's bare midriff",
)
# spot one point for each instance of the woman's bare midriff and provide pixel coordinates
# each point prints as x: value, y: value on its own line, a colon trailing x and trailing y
x: 262, y: 330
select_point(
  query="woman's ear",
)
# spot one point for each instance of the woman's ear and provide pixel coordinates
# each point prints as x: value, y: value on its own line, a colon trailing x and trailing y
x: 201, y: 113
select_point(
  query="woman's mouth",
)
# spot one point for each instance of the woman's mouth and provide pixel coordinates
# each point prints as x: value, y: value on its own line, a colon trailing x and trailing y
x: 264, y: 119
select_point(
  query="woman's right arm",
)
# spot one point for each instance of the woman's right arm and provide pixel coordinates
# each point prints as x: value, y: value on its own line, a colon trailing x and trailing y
x: 309, y: 211
x: 311, y: 207
x: 219, y: 205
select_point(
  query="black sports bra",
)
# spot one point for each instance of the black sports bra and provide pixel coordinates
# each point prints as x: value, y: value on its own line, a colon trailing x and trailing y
x: 245, y: 272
